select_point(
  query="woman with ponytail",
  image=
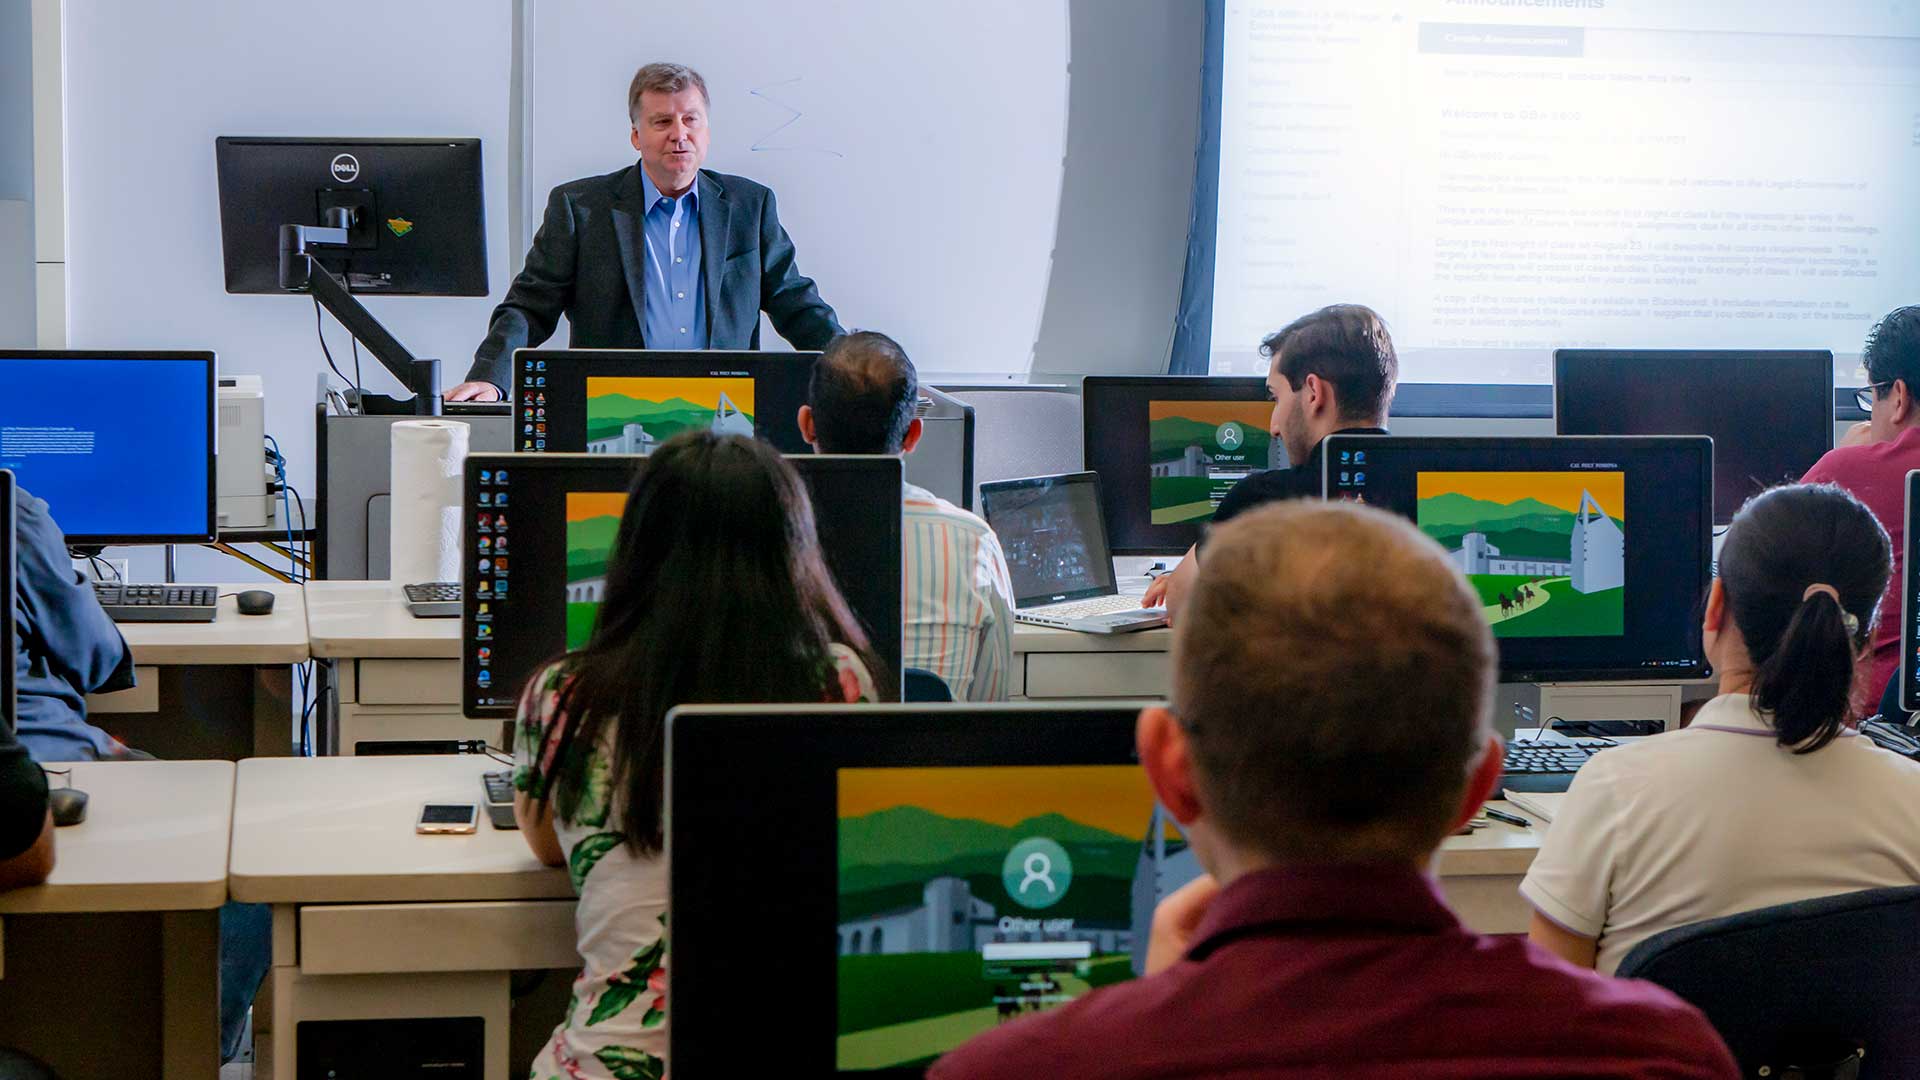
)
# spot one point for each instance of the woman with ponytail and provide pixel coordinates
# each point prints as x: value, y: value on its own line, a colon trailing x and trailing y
x: 1768, y: 797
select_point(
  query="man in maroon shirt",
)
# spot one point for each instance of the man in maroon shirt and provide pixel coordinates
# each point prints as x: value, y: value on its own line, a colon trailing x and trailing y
x: 1872, y: 462
x: 1329, y: 727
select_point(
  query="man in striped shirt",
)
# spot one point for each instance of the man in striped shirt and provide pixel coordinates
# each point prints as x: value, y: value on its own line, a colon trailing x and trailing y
x: 957, y: 596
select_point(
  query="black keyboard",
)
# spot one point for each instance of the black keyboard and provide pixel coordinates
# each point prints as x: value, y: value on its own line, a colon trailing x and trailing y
x: 157, y: 603
x: 499, y: 789
x: 1532, y: 765
x: 434, y: 600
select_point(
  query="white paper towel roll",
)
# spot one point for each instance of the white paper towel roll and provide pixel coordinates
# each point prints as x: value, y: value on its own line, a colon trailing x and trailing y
x: 424, y: 536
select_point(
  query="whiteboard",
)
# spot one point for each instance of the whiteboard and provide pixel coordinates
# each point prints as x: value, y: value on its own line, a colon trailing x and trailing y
x: 915, y: 149
x: 149, y: 87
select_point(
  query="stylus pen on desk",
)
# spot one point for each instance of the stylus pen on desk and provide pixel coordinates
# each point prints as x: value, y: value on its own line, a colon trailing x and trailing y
x: 1502, y: 815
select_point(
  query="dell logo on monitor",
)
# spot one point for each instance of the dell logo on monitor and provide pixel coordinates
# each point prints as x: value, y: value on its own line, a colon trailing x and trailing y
x: 345, y: 167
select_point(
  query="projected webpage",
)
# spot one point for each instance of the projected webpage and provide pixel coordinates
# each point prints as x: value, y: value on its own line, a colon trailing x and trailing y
x: 1500, y: 178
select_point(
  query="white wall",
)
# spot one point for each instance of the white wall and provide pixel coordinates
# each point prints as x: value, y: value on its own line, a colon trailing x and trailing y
x: 149, y: 87
x: 1083, y: 268
x: 915, y: 148
x: 1120, y: 249
x: 16, y: 174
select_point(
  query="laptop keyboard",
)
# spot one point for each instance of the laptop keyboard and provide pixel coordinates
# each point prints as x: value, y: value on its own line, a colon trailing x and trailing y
x: 1099, y: 605
x: 433, y: 592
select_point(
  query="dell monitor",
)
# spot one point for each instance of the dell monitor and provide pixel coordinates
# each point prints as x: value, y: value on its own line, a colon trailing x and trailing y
x: 1590, y: 555
x: 119, y: 444
x: 1769, y: 413
x: 935, y: 871
x: 412, y: 210
x: 1168, y: 448
x: 339, y: 217
x: 627, y: 401
x: 539, y: 527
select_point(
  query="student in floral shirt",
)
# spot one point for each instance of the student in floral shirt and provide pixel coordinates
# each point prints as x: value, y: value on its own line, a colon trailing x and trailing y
x: 716, y: 593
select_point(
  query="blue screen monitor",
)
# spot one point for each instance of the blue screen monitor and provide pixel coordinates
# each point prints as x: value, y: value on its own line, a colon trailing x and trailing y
x: 9, y: 569
x: 119, y: 444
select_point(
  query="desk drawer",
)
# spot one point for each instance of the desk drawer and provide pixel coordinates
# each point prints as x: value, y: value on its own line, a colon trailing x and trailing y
x: 144, y: 697
x: 384, y: 939
x: 1097, y: 675
x: 1490, y: 904
x: 409, y: 723
x: 409, y: 682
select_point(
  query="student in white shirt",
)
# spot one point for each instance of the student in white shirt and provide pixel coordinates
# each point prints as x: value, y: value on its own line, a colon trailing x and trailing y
x: 1769, y: 796
x: 957, y: 595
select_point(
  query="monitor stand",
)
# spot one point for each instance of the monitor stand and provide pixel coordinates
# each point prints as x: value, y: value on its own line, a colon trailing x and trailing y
x: 1612, y: 701
x: 300, y: 271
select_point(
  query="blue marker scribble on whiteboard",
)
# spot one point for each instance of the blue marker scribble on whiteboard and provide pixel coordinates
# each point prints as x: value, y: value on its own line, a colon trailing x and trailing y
x: 765, y: 142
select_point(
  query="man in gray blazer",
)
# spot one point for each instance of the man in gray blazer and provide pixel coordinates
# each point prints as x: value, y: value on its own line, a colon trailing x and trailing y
x: 660, y: 255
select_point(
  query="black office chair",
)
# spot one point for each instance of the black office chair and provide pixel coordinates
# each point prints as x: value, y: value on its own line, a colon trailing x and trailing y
x: 1808, y: 991
x: 919, y: 684
x: 17, y: 1065
x: 1890, y: 700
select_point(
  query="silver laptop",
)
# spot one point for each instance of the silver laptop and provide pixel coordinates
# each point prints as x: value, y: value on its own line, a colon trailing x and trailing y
x: 1055, y: 538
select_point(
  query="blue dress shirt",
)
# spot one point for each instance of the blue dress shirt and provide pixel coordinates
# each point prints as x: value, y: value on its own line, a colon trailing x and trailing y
x: 66, y: 646
x: 676, y: 315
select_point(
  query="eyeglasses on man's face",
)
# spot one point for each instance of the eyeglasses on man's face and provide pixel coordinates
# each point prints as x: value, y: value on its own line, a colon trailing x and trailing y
x: 1865, y: 395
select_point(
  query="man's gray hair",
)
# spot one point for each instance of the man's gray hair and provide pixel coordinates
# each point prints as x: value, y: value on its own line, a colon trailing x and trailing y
x: 663, y: 79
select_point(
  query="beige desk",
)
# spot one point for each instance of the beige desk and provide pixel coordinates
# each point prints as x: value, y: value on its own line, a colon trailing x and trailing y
x: 111, y: 967
x: 1050, y: 664
x: 397, y: 678
x: 373, y: 921
x: 222, y: 689
x: 1481, y: 873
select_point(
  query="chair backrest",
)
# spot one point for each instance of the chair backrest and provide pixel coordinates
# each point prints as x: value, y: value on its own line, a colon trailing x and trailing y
x: 1792, y: 981
x: 919, y: 684
x: 1022, y: 431
x: 18, y: 1065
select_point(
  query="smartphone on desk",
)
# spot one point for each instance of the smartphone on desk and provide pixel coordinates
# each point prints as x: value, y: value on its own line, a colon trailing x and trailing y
x: 448, y: 818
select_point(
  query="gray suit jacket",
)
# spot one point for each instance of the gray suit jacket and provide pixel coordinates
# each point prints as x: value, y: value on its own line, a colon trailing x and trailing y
x: 587, y: 263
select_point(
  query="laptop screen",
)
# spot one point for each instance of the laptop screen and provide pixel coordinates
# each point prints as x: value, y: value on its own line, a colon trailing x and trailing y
x: 1054, y: 537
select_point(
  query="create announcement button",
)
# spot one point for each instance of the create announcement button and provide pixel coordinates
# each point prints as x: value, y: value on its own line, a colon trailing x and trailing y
x: 1480, y: 39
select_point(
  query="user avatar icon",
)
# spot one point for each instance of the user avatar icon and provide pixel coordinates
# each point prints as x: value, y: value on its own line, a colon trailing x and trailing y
x: 1229, y: 436
x: 1037, y: 872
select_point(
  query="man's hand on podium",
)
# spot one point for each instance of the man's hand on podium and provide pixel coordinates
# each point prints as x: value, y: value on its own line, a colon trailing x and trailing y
x: 473, y: 391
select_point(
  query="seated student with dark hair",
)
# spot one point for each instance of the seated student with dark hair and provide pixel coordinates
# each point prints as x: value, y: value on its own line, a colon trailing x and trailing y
x: 66, y: 646
x: 1333, y: 372
x: 717, y: 592
x: 1768, y: 797
x: 1329, y: 727
x: 958, y: 598
x: 1872, y: 462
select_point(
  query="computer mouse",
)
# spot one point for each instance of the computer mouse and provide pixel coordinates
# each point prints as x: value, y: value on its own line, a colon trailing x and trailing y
x: 254, y: 602
x: 69, y: 805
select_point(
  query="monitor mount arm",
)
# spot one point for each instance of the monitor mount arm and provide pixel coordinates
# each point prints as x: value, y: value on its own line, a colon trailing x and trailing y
x: 299, y: 270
